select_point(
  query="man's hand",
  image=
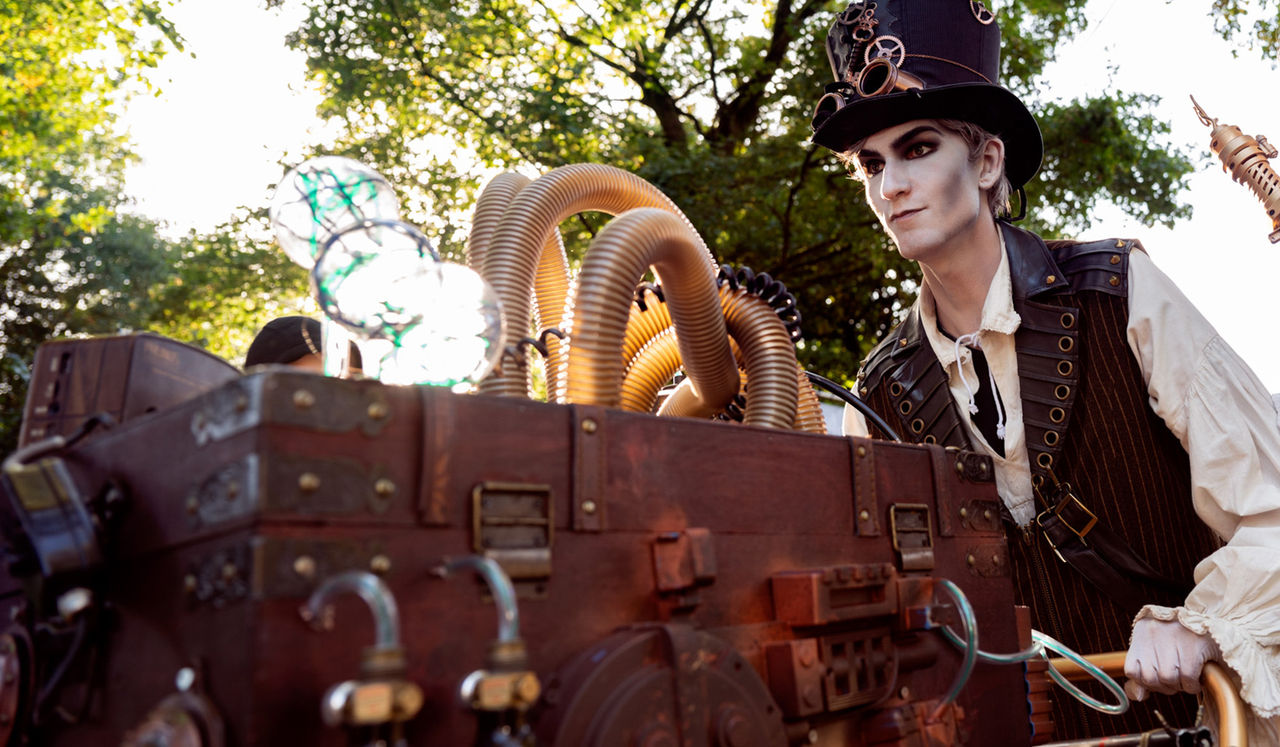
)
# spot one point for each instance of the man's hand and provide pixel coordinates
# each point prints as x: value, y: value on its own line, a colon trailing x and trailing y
x: 1165, y: 657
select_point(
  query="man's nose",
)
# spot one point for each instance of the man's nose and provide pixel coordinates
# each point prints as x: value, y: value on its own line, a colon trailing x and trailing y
x: 894, y: 181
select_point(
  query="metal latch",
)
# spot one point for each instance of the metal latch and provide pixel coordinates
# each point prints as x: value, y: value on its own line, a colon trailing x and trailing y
x: 512, y: 524
x: 910, y: 528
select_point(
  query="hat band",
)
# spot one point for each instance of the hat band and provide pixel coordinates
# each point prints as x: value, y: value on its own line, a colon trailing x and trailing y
x: 960, y: 65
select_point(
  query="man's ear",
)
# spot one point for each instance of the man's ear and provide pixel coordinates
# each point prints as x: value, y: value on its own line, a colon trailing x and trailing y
x: 991, y: 163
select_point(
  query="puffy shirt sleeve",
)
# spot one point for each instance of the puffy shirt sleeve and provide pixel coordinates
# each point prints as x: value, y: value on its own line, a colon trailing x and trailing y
x: 1227, y: 421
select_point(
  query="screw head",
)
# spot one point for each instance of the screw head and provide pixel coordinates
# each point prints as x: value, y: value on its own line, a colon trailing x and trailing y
x: 589, y: 425
x: 305, y: 566
x: 302, y: 399
x: 190, y: 583
x: 384, y: 487
x: 864, y: 515
x: 380, y: 564
x: 309, y: 482
x: 377, y: 410
x: 588, y: 507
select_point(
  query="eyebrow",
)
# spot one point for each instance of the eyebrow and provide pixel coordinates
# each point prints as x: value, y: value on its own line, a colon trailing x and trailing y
x: 901, y: 140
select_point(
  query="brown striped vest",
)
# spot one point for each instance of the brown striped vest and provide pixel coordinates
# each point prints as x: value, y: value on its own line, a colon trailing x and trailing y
x: 1086, y: 417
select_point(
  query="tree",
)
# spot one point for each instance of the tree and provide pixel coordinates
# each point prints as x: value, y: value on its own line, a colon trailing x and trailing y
x: 225, y: 285
x: 708, y: 100
x: 1228, y: 15
x: 70, y: 261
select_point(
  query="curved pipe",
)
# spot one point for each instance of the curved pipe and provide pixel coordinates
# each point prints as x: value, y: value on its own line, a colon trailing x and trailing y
x: 551, y: 297
x: 648, y: 370
x: 492, y: 203
x: 374, y: 592
x: 643, y: 326
x: 768, y: 357
x: 1232, y: 722
x: 551, y: 280
x: 504, y: 594
x: 514, y: 255
x: 809, y: 416
x: 614, y: 264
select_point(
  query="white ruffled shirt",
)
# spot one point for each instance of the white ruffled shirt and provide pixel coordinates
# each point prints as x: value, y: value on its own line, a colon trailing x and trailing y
x: 1224, y: 418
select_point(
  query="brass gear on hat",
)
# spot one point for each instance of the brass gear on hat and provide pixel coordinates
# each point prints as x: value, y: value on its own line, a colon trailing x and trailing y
x: 980, y: 12
x: 886, y: 47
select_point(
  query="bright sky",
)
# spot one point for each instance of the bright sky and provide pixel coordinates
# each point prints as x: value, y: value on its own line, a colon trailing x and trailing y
x: 214, y: 139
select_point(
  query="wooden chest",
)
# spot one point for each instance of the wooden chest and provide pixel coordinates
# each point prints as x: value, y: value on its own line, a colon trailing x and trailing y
x: 678, y: 582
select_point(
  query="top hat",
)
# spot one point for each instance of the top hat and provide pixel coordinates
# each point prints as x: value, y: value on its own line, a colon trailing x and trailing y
x: 899, y: 60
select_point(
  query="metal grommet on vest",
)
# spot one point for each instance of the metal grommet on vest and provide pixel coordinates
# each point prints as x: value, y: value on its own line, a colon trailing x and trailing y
x: 1061, y: 392
x: 1065, y: 368
x: 1057, y: 414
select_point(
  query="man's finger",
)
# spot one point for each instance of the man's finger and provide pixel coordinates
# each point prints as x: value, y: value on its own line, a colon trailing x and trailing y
x: 1134, y: 690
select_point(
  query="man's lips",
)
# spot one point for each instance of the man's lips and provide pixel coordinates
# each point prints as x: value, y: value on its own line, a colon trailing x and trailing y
x: 903, y: 214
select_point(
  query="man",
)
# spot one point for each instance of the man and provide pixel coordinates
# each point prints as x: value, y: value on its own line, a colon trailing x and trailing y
x: 1129, y: 440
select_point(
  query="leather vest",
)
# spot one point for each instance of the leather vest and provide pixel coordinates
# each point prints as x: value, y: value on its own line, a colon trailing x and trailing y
x: 1086, y: 418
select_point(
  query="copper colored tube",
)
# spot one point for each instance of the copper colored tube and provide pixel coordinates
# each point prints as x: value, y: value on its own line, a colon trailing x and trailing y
x: 768, y: 357
x: 513, y: 256
x: 643, y: 326
x: 1232, y: 727
x: 493, y: 202
x: 613, y: 265
x: 551, y: 286
x: 683, y: 402
x: 551, y: 294
x: 808, y: 410
x: 651, y: 367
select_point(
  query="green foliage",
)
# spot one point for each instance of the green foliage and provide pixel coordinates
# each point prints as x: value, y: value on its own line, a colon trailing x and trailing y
x: 1263, y: 19
x: 225, y: 285
x: 70, y: 262
x: 708, y: 100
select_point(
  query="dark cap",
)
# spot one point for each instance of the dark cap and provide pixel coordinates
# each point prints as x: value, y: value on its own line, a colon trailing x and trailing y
x: 284, y: 340
x: 895, y: 61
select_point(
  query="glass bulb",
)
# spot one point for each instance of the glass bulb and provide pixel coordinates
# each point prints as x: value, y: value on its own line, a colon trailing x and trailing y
x: 322, y: 196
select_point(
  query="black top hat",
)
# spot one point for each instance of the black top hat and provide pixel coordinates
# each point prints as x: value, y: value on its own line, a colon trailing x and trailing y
x: 899, y: 60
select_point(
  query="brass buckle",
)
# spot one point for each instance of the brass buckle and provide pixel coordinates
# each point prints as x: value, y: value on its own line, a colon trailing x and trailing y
x: 1057, y: 511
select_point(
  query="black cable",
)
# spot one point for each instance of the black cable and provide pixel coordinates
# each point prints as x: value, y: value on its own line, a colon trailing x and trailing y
x: 853, y: 399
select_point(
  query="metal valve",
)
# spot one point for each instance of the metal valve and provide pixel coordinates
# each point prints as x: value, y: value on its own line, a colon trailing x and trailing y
x: 382, y: 698
x: 503, y: 691
x: 1245, y: 158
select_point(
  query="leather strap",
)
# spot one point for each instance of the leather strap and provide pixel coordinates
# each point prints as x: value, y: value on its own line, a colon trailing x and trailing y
x: 1101, y: 556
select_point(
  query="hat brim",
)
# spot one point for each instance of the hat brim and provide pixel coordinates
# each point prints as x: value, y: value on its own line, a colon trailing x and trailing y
x: 991, y: 107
